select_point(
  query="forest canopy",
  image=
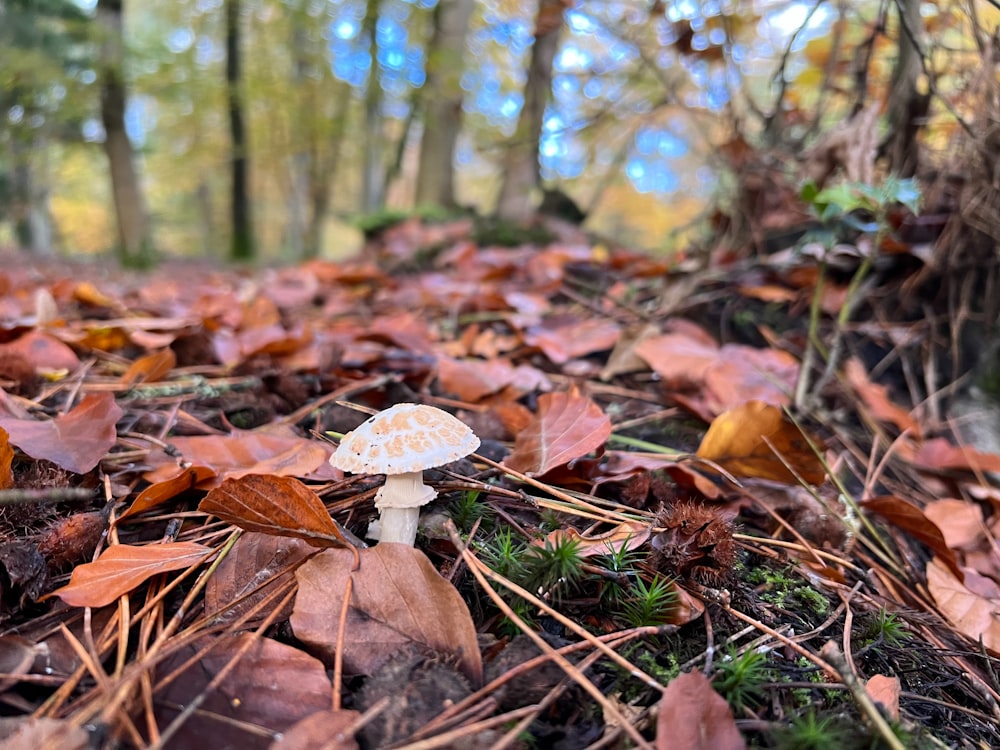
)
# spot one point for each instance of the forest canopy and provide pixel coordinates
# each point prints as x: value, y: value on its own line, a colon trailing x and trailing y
x: 242, y: 128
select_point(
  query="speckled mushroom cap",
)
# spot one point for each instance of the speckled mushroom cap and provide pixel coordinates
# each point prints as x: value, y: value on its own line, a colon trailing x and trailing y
x: 404, y: 438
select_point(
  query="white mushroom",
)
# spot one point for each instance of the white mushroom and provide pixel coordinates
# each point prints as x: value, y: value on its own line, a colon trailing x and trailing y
x: 401, y: 442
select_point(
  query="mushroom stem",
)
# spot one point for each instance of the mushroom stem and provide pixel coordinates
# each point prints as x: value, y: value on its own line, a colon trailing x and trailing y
x: 399, y: 501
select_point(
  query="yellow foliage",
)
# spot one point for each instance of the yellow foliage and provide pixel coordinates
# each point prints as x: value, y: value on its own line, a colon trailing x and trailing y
x: 80, y: 205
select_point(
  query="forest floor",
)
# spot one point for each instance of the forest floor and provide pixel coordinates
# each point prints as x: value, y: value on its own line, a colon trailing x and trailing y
x: 707, y: 509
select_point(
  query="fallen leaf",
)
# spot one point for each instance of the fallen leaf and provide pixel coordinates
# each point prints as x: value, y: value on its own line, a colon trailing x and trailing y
x: 748, y: 440
x: 960, y: 521
x: 679, y: 358
x: 17, y: 655
x: 938, y: 454
x: 974, y: 616
x: 33, y: 733
x: 323, y: 730
x: 568, y: 426
x: 272, y: 686
x: 184, y: 479
x: 876, y: 398
x: 886, y: 691
x: 76, y: 441
x: 254, y: 567
x: 397, y: 599
x: 274, y: 505
x: 42, y: 351
x: 261, y: 451
x: 693, y: 716
x: 915, y: 522
x: 122, y: 568
x: 561, y: 343
x: 150, y: 368
x: 472, y: 380
x: 742, y: 373
x: 6, y: 461
x: 629, y: 535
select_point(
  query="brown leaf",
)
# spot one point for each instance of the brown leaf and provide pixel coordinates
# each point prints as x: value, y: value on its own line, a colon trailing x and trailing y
x: 680, y: 359
x: 122, y: 568
x: 742, y: 373
x: 261, y: 451
x: 940, y: 455
x: 274, y: 505
x: 255, y: 565
x: 876, y: 398
x: 273, y: 685
x: 568, y: 426
x: 694, y: 717
x: 736, y: 441
x: 960, y: 521
x: 76, y: 441
x: 628, y: 535
x: 42, y: 351
x: 150, y: 368
x: 397, y: 599
x: 975, y: 616
x: 6, y: 461
x: 565, y: 342
x: 912, y: 520
x: 17, y: 655
x: 33, y: 733
x: 185, y: 478
x: 885, y: 690
x: 472, y: 380
x: 323, y: 730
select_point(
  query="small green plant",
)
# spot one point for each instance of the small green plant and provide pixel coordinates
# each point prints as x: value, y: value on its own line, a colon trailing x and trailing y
x: 622, y: 564
x: 504, y: 555
x: 783, y: 590
x: 468, y: 509
x: 809, y: 732
x: 554, y: 567
x: 741, y: 678
x: 649, y: 604
x: 884, y: 629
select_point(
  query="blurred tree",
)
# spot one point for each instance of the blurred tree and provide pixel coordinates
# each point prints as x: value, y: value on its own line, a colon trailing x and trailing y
x: 45, y: 67
x: 520, y: 162
x: 442, y: 97
x: 241, y: 246
x: 135, y: 247
x: 907, y: 106
x: 373, y: 162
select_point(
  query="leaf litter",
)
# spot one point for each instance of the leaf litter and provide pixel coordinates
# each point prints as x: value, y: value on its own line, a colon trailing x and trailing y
x: 652, y: 546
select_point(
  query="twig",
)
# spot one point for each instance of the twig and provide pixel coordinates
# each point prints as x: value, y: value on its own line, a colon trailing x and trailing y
x: 45, y: 495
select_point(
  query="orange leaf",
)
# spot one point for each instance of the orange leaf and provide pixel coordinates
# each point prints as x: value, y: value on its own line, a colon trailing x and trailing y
x: 738, y: 440
x: 914, y: 521
x: 150, y: 368
x: 167, y: 489
x: 876, y: 398
x: 41, y: 351
x: 568, y: 426
x: 940, y: 455
x: 474, y: 379
x: 397, y: 599
x: 76, y: 441
x: 6, y: 459
x: 975, y: 616
x: 960, y: 521
x: 629, y: 535
x: 694, y: 717
x: 274, y: 505
x: 885, y: 690
x: 122, y: 568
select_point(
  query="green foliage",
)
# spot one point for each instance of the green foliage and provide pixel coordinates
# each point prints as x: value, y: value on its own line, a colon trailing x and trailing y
x: 552, y: 568
x: 842, y: 199
x: 468, y: 509
x: 885, y: 628
x: 504, y: 555
x: 810, y: 732
x: 494, y: 231
x: 621, y: 564
x: 649, y: 604
x: 785, y: 590
x: 741, y: 679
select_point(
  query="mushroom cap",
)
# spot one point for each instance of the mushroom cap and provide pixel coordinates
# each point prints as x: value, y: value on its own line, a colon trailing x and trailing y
x: 404, y: 438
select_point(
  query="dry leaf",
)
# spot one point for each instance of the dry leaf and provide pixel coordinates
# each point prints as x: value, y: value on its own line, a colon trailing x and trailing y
x: 736, y: 441
x: 397, y: 599
x: 6, y: 461
x: 274, y: 505
x: 272, y: 686
x: 323, y: 730
x: 876, y: 398
x: 122, y: 568
x: 472, y: 380
x: 150, y: 368
x: 885, y: 690
x: 568, y: 426
x: 912, y: 520
x: 576, y: 339
x: 184, y: 479
x: 694, y: 717
x: 973, y: 615
x: 960, y: 521
x: 34, y: 733
x: 940, y: 455
x: 76, y: 441
x: 628, y: 535
x: 41, y: 351
x: 17, y: 655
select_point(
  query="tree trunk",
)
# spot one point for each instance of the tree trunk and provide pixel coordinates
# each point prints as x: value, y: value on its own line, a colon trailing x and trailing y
x: 242, y: 245
x: 373, y: 172
x: 907, y: 106
x: 443, y: 103
x: 520, y: 168
x: 134, y: 241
